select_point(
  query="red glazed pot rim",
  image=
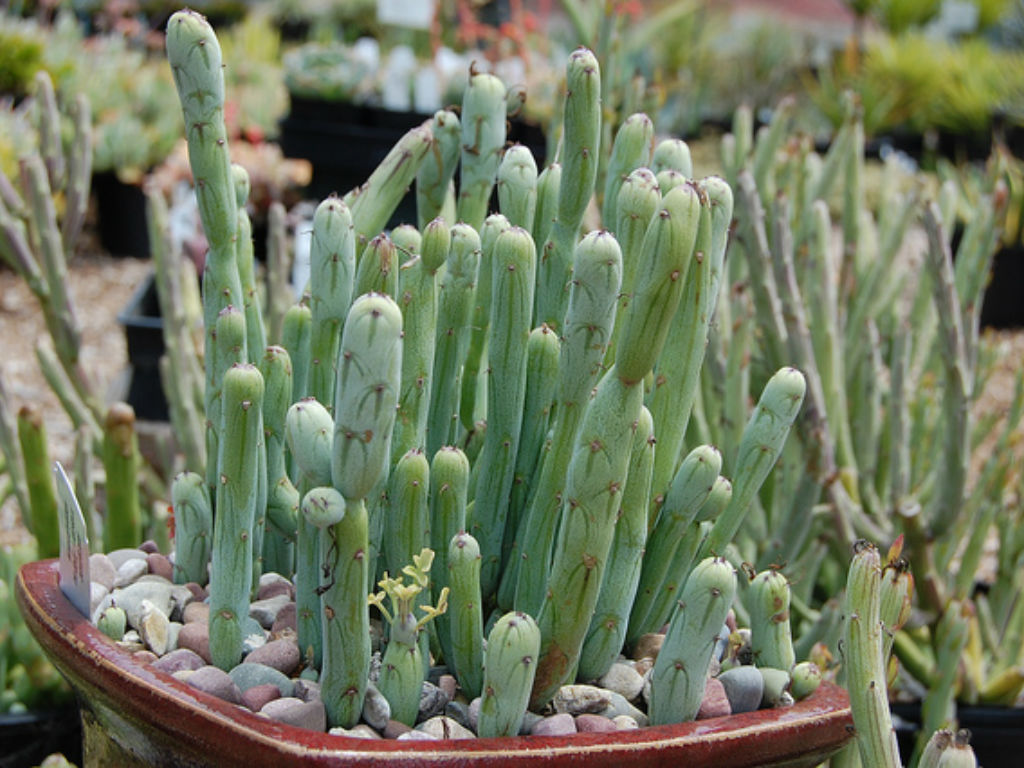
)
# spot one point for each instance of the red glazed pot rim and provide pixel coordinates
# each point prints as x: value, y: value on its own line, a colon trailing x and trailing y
x: 98, y: 668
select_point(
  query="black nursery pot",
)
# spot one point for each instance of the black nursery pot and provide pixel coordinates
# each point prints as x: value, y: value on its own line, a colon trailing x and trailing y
x: 143, y: 332
x: 995, y: 732
x: 121, y: 216
x: 26, y: 739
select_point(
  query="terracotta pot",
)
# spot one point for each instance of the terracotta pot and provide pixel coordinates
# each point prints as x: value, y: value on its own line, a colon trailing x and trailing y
x: 134, y: 715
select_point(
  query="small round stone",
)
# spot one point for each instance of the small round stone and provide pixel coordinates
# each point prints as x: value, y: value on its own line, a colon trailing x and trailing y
x: 216, y: 682
x: 561, y: 724
x: 360, y: 731
x: 196, y: 611
x: 160, y: 565
x: 376, y: 709
x: 715, y: 703
x: 145, y: 657
x: 625, y: 723
x: 393, y: 729
x: 648, y: 646
x: 259, y: 696
x: 581, y: 699
x: 441, y: 727
x: 102, y: 570
x: 182, y: 658
x: 594, y: 724
x: 623, y: 679
x: 310, y: 715
x: 283, y: 655
x: 744, y: 687
x: 196, y: 637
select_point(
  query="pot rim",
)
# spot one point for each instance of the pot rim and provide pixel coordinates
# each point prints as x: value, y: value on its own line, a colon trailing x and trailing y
x: 98, y: 668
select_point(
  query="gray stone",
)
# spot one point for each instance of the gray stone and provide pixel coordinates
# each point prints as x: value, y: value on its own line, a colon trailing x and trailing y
x: 561, y: 724
x: 178, y: 660
x: 394, y: 729
x: 97, y: 593
x: 153, y: 628
x: 173, y: 630
x: 416, y: 736
x: 376, y: 709
x: 442, y: 727
x: 625, y: 723
x: 102, y: 570
x: 120, y: 556
x: 247, y: 676
x: 360, y: 731
x: 266, y: 611
x: 581, y: 699
x: 530, y: 719
x: 744, y: 687
x: 130, y: 598
x: 457, y: 711
x: 618, y: 705
x: 130, y: 572
x: 282, y: 655
x: 216, y: 682
x: 432, y: 701
x: 622, y: 678
x: 287, y: 620
x: 307, y: 690
x: 302, y: 714
x: 474, y: 714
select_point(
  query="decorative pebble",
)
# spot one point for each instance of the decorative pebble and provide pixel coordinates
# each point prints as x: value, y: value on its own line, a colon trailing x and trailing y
x: 270, y: 577
x: 307, y: 690
x: 97, y: 593
x: 253, y: 635
x: 282, y: 655
x: 302, y: 714
x: 594, y: 724
x: 360, y: 731
x: 474, y: 713
x: 376, y: 708
x: 715, y: 703
x: 561, y: 724
x: 149, y: 547
x: 196, y: 637
x: 145, y: 657
x: 623, y: 679
x: 274, y: 589
x: 153, y: 628
x: 216, y: 682
x: 776, y: 683
x: 266, y: 611
x: 102, y: 570
x: 248, y: 676
x: 119, y: 557
x: 530, y: 719
x: 581, y: 699
x: 432, y: 700
x: 179, y: 659
x: 259, y: 696
x: 647, y: 646
x: 129, y: 572
x: 415, y: 736
x: 160, y: 565
x: 441, y: 727
x: 744, y: 687
x: 131, y: 641
x: 456, y: 710
x: 625, y: 723
x: 197, y: 590
x: 196, y: 611
x: 181, y: 597
x: 618, y: 705
x: 393, y: 729
x: 286, y: 619
x: 449, y: 685
x: 130, y: 598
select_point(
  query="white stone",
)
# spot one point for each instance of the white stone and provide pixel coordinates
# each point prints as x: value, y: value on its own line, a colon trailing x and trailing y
x: 154, y: 628
x: 130, y: 571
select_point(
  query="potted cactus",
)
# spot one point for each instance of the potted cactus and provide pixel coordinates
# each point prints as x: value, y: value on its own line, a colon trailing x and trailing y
x: 459, y: 413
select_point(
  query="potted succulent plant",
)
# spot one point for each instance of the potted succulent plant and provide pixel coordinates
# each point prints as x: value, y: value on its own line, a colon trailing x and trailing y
x: 465, y: 343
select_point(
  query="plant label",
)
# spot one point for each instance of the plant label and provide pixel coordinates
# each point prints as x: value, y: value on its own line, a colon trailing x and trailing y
x: 74, y: 544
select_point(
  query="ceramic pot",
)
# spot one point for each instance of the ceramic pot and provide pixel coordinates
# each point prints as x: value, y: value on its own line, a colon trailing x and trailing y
x: 133, y: 715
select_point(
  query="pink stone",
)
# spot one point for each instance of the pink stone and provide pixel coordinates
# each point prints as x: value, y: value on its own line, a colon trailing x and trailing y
x: 594, y: 724
x: 149, y: 547
x: 283, y: 655
x: 715, y: 703
x: 160, y: 565
x: 561, y: 724
x: 146, y: 657
x: 448, y: 684
x: 286, y: 619
x: 259, y: 696
x: 196, y: 637
x: 394, y: 729
x: 275, y: 588
x: 196, y: 611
